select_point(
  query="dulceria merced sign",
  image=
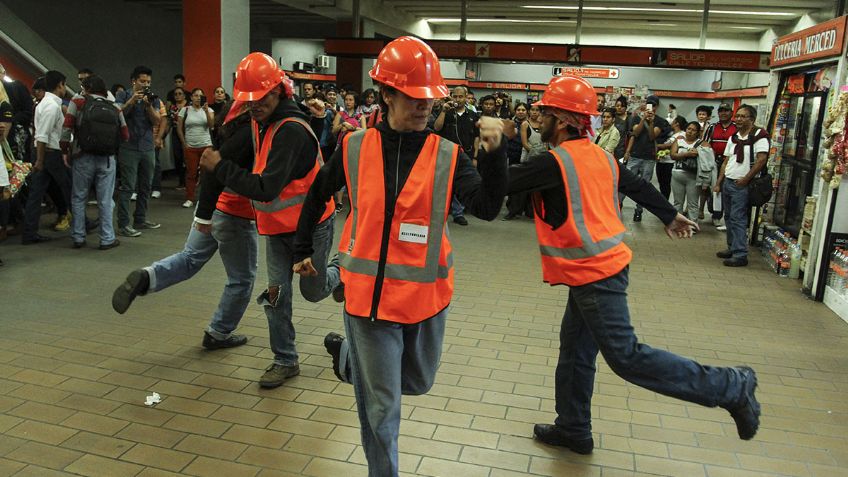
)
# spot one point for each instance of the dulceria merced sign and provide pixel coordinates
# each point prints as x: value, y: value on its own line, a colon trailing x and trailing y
x: 820, y: 41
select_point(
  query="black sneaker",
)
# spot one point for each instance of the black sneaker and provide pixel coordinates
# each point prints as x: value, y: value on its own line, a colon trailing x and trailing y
x: 34, y: 239
x: 338, y: 293
x: 724, y: 254
x: 460, y: 220
x: 276, y: 374
x: 736, y: 262
x: 110, y: 245
x: 637, y: 216
x: 79, y: 244
x: 552, y: 435
x: 136, y: 283
x: 747, y: 412
x: 333, y: 344
x: 234, y: 340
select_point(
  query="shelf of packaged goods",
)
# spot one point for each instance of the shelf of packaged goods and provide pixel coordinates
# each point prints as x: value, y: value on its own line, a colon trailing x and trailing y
x: 836, y: 302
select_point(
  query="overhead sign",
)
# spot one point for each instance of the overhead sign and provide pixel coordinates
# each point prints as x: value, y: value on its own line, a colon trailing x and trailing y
x: 606, y: 73
x: 819, y: 41
x: 713, y: 60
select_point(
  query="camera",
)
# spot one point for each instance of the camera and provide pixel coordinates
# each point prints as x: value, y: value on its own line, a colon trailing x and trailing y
x: 150, y: 95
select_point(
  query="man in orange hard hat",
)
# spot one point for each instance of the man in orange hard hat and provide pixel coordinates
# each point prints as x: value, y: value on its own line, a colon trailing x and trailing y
x: 287, y: 159
x: 395, y: 256
x: 580, y: 232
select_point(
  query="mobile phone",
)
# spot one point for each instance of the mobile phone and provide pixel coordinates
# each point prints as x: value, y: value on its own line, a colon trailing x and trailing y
x: 649, y: 107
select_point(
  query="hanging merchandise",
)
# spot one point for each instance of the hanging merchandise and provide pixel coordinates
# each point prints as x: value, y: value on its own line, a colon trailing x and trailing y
x: 836, y: 133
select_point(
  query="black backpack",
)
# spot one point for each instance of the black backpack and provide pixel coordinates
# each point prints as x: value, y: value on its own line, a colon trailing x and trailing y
x: 99, y: 130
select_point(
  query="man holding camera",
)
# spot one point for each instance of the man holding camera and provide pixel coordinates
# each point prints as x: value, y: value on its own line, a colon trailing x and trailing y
x: 641, y: 154
x: 458, y: 124
x: 136, y: 158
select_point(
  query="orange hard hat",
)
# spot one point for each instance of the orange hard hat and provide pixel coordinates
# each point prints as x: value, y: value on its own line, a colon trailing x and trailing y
x: 412, y: 67
x: 570, y: 93
x: 256, y: 75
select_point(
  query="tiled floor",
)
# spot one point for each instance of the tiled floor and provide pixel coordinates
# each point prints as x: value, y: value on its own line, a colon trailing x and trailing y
x: 74, y: 375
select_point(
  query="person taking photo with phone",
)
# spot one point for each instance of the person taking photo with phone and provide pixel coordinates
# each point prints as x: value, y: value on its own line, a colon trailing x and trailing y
x: 194, y: 124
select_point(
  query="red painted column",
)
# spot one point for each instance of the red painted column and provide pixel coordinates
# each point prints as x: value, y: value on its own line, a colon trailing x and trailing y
x: 348, y: 70
x: 202, y: 44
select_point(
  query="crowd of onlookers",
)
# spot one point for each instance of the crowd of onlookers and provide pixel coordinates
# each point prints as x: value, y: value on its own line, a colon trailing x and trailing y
x: 74, y: 151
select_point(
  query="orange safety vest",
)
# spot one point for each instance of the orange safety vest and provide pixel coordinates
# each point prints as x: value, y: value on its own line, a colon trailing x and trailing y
x: 408, y: 277
x: 588, y: 247
x: 281, y: 214
x: 233, y: 204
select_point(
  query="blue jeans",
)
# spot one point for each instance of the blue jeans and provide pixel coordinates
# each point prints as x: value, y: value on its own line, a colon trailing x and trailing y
x: 597, y: 318
x: 136, y: 170
x: 237, y: 241
x: 456, y: 207
x: 388, y: 360
x: 643, y: 168
x: 39, y: 182
x: 100, y: 170
x: 277, y: 298
x: 734, y: 201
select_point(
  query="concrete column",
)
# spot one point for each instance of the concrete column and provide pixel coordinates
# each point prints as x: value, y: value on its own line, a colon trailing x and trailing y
x: 216, y: 36
x: 350, y: 70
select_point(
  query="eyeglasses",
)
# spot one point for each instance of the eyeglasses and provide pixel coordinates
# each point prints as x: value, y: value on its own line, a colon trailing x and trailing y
x: 743, y: 116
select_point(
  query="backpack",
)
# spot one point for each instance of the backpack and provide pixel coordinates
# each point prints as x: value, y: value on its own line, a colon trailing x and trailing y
x: 99, y: 130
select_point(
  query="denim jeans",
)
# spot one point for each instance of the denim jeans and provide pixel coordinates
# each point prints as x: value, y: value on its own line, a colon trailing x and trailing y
x: 388, y: 360
x: 643, y: 168
x: 54, y: 168
x: 597, y: 318
x: 456, y: 207
x: 277, y: 298
x: 734, y: 200
x: 684, y: 186
x: 99, y: 170
x: 136, y: 171
x: 237, y: 241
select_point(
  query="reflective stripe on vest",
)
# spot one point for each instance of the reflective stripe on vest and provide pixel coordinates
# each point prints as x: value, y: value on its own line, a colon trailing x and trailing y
x: 431, y: 270
x: 279, y: 204
x: 589, y: 247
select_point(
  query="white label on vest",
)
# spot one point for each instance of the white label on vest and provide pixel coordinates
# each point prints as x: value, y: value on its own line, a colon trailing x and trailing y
x: 413, y: 233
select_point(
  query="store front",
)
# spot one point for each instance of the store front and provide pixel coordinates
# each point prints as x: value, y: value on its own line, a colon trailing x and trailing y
x: 807, y: 121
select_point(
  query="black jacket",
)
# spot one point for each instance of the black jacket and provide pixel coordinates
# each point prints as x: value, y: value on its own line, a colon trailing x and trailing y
x: 481, y: 193
x: 292, y: 156
x: 541, y: 174
x: 235, y: 146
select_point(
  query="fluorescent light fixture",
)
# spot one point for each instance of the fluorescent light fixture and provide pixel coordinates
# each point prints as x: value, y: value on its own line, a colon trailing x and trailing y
x: 661, y: 10
x: 494, y: 20
x: 747, y: 28
x: 662, y: 24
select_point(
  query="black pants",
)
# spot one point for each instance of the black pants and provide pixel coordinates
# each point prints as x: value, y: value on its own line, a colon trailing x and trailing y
x: 664, y: 178
x: 179, y: 161
x: 39, y: 182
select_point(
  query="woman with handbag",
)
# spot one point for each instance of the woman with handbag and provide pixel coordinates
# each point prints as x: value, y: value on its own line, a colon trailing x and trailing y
x: 684, y: 184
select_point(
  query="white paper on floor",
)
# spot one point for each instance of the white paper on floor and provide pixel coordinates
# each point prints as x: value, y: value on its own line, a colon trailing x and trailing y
x: 153, y: 399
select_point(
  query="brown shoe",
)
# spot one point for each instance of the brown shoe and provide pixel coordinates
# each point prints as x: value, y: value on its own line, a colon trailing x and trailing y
x: 276, y: 374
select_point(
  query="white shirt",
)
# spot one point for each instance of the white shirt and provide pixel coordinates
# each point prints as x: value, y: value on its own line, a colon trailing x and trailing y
x: 737, y: 170
x: 48, y: 120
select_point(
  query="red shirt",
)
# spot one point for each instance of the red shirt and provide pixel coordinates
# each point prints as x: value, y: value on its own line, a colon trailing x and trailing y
x: 718, y: 136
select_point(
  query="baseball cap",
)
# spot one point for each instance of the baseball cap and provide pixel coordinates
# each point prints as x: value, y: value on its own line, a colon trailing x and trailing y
x: 725, y: 107
x: 653, y: 99
x: 6, y: 113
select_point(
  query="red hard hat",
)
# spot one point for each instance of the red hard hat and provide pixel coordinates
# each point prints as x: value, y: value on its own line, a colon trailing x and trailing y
x: 412, y: 67
x: 256, y: 75
x: 570, y: 93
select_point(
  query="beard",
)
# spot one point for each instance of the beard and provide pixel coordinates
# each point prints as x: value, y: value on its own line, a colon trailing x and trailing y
x: 549, y: 130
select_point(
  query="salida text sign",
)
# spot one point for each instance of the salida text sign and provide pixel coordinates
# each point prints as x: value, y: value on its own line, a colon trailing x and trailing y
x: 606, y: 73
x: 820, y: 41
x: 713, y: 60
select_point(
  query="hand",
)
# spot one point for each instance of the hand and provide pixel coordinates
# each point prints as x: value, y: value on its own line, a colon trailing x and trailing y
x: 137, y: 97
x: 158, y: 143
x: 209, y: 159
x: 203, y: 228
x: 717, y: 188
x: 742, y: 182
x: 305, y: 268
x: 38, y: 166
x: 66, y: 158
x: 316, y: 107
x: 491, y: 131
x: 681, y: 227
x: 205, y: 107
x: 626, y: 157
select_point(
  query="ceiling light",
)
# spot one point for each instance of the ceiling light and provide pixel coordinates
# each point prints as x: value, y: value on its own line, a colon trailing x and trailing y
x: 662, y: 24
x: 661, y: 10
x: 747, y: 28
x: 493, y: 20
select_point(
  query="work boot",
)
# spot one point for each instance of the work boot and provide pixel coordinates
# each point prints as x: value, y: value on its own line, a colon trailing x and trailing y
x: 136, y: 283
x: 724, y: 254
x: 333, y: 344
x: 736, y: 262
x: 746, y: 412
x: 276, y: 374
x: 552, y: 435
x: 209, y: 342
